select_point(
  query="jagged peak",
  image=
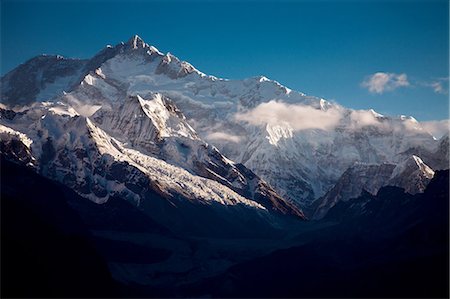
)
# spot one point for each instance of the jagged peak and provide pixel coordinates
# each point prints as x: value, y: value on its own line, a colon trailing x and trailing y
x: 423, y: 167
x: 168, y: 57
x: 376, y: 114
x: 165, y: 116
x: 408, y: 118
x: 136, y: 42
x: 413, y: 162
x: 324, y: 105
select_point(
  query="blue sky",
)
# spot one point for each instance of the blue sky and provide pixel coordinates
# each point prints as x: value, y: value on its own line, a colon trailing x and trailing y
x: 322, y: 48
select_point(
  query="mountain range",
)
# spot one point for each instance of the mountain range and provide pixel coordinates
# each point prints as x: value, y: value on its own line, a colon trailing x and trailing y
x: 199, y: 175
x: 141, y: 107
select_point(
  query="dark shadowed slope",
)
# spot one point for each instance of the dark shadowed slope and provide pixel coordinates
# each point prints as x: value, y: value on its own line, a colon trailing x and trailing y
x: 397, y: 248
x: 46, y: 249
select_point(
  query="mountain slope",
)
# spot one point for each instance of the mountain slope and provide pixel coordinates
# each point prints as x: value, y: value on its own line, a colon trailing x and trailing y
x: 247, y: 120
x: 397, y: 248
x: 139, y: 148
x: 47, y: 250
x: 412, y: 174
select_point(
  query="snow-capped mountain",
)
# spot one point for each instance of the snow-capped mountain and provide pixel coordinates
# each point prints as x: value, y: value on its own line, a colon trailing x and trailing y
x: 125, y: 145
x: 76, y: 151
x: 412, y: 174
x: 129, y: 98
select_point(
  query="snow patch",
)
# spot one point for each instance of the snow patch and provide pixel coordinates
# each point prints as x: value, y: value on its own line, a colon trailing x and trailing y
x: 277, y: 132
x: 21, y: 136
x: 426, y: 170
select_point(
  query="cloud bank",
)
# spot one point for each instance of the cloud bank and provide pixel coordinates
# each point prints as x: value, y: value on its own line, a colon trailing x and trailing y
x: 363, y: 118
x: 299, y: 117
x: 381, y: 82
x: 437, y: 128
x: 222, y: 136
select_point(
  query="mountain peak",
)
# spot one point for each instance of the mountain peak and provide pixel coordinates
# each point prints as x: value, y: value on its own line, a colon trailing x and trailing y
x: 136, y: 42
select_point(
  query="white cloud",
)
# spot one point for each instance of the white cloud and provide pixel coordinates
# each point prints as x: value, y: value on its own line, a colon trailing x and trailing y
x: 223, y: 136
x: 82, y: 109
x: 437, y: 128
x: 439, y: 86
x: 381, y: 82
x: 362, y: 118
x: 299, y: 117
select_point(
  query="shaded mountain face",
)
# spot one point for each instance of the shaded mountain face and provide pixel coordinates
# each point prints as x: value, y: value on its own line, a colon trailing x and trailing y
x: 40, y: 78
x: 56, y: 243
x: 392, y: 244
x: 47, y: 251
x: 412, y: 174
x: 243, y: 118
